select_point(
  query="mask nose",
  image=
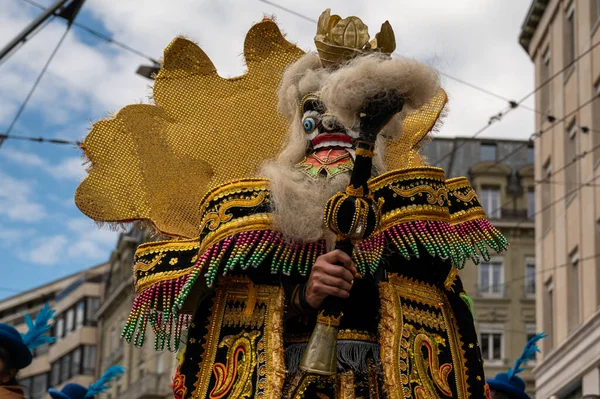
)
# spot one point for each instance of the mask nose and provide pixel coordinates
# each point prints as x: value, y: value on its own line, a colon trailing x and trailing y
x: 330, y: 123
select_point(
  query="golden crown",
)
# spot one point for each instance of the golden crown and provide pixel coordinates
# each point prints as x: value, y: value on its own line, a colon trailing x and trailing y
x: 339, y: 40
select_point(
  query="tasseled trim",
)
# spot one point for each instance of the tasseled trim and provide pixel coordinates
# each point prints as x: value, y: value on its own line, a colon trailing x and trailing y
x: 467, y: 240
x: 160, y: 303
x: 351, y: 355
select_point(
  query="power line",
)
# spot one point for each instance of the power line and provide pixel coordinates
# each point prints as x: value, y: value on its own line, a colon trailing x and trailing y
x: 35, y: 85
x: 31, y: 36
x: 461, y: 81
x: 102, y: 36
x: 39, y: 139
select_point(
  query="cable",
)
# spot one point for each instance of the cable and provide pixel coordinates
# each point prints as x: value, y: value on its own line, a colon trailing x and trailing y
x: 35, y: 85
x: 102, y: 36
x: 471, y: 85
x: 31, y: 36
x: 39, y: 139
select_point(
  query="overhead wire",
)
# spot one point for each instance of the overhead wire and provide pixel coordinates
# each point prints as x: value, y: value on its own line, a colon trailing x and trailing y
x: 102, y: 36
x: 34, y: 87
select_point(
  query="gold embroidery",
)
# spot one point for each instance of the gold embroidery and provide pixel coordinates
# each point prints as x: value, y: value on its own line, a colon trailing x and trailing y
x: 394, y: 176
x: 467, y: 197
x: 393, y: 333
x: 450, y: 279
x: 235, y: 289
x: 332, y: 321
x: 234, y: 378
x: 474, y: 213
x: 345, y: 385
x: 423, y: 317
x: 166, y: 245
x: 434, y: 195
x: 144, y: 267
x: 430, y: 371
x: 237, y: 316
x: 145, y: 282
x: 214, y: 219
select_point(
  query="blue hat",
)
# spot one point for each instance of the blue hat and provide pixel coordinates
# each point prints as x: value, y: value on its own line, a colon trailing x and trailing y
x: 69, y: 391
x: 509, y: 383
x: 76, y: 391
x: 12, y: 341
x: 20, y: 345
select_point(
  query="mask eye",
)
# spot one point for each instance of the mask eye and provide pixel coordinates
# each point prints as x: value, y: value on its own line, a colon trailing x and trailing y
x: 309, y: 123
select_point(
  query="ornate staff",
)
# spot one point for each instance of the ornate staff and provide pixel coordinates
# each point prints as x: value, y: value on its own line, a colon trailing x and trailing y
x: 352, y: 215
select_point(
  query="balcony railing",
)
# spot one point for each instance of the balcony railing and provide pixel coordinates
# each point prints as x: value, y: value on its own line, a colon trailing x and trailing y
x: 498, y: 291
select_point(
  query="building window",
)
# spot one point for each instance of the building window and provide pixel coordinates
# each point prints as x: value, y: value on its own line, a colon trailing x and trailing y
x: 531, y: 332
x: 55, y: 374
x: 70, y: 323
x: 530, y: 154
x: 488, y: 152
x: 89, y: 359
x: 60, y: 327
x: 595, y: 13
x: 39, y: 387
x: 570, y: 35
x: 76, y: 362
x: 574, y: 394
x: 113, y: 339
x: 490, y: 200
x: 546, y: 196
x: 90, y: 312
x: 80, y: 314
x: 530, y: 204
x: 530, y: 277
x: 546, y: 82
x: 492, y: 342
x: 548, y: 305
x: 65, y: 367
x: 570, y: 160
x: 596, y: 124
x: 491, y: 278
x: 574, y: 290
x: 160, y: 364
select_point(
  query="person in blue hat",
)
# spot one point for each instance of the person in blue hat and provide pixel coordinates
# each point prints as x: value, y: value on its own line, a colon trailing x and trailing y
x: 15, y: 350
x: 508, y: 385
x: 76, y: 391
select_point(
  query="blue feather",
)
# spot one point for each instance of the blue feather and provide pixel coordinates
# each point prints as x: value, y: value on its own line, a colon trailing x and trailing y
x: 102, y: 384
x: 36, y: 334
x: 528, y: 354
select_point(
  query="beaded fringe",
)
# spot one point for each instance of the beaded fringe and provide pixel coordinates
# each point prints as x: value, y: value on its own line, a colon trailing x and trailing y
x: 159, y: 305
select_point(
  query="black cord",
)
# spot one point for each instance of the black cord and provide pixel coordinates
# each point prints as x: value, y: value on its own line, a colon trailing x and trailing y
x: 35, y: 85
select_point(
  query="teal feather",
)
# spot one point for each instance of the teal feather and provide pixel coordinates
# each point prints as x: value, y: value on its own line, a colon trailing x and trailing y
x: 36, y: 334
x: 102, y: 384
x: 528, y: 354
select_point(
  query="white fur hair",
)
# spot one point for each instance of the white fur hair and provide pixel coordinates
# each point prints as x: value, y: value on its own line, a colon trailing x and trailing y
x: 347, y: 89
x: 299, y: 200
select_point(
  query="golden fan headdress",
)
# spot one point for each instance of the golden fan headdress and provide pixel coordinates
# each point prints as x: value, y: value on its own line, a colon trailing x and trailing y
x: 154, y: 163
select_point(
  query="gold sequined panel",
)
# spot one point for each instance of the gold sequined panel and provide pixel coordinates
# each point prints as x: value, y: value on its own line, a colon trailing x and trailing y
x: 421, y: 349
x: 244, y: 347
x: 404, y: 152
x: 155, y: 162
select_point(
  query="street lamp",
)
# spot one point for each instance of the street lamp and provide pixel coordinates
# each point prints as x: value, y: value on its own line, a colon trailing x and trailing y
x: 148, y: 71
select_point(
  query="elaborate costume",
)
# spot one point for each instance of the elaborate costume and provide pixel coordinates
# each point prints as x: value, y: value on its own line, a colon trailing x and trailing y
x: 210, y: 165
x: 15, y: 350
x: 509, y: 385
x: 76, y: 391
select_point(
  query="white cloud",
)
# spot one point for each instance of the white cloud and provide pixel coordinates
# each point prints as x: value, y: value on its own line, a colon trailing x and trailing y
x: 46, y: 251
x: 72, y: 168
x: 16, y: 202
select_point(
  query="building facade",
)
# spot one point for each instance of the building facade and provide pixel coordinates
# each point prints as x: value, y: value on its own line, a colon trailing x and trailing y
x: 72, y: 358
x: 560, y: 36
x: 503, y: 289
x: 148, y: 372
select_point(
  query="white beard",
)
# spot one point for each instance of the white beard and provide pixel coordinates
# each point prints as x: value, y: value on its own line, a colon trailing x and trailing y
x: 299, y: 201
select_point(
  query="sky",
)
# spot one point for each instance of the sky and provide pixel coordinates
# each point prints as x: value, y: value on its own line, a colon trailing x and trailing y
x: 43, y: 236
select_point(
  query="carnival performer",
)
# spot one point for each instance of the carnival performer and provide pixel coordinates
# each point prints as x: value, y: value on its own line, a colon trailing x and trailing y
x: 76, y: 391
x: 313, y: 258
x: 509, y: 385
x: 15, y: 350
